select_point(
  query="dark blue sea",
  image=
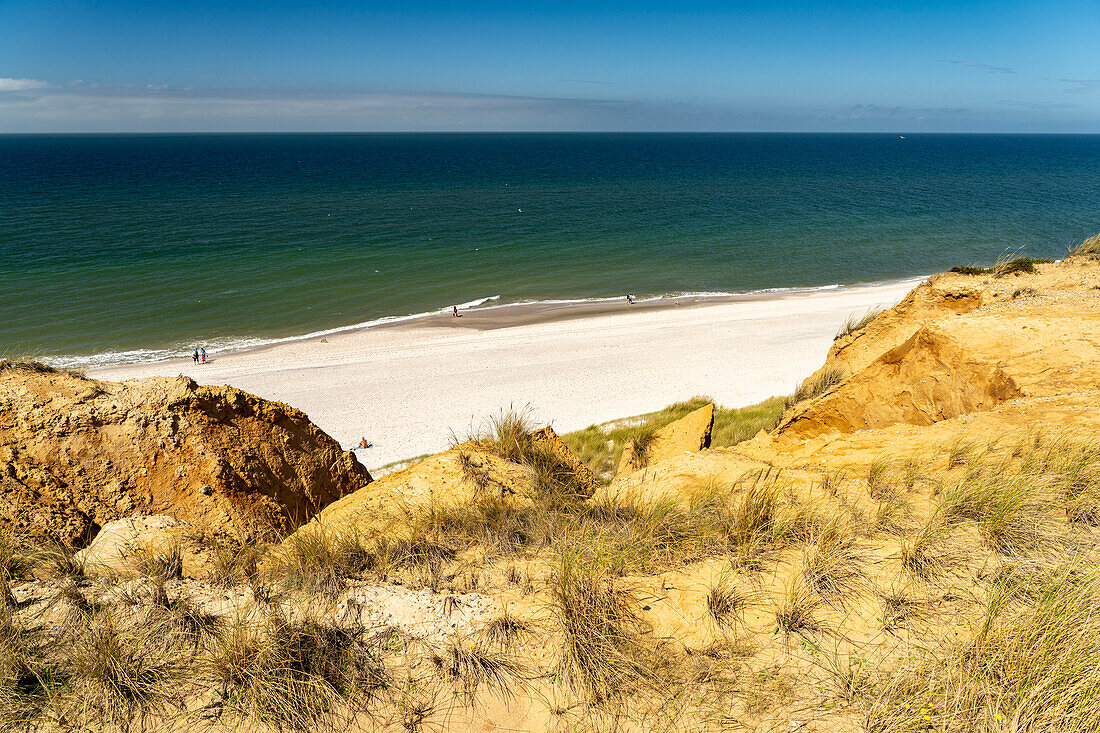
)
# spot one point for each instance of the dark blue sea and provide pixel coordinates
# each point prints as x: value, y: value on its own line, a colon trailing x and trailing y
x: 133, y: 247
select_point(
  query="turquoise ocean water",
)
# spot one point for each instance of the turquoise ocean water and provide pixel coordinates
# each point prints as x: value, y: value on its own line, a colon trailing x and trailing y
x: 120, y: 248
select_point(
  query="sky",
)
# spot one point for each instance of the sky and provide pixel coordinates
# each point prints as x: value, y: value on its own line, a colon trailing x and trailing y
x: 121, y: 66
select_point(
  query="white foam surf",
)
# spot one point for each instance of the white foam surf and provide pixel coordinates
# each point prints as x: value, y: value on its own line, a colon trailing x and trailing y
x: 491, y: 302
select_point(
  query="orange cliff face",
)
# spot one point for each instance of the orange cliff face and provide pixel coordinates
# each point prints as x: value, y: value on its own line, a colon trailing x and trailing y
x: 76, y: 453
x: 979, y: 356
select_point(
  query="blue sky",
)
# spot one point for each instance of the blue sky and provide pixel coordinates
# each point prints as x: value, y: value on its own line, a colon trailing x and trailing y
x: 798, y: 66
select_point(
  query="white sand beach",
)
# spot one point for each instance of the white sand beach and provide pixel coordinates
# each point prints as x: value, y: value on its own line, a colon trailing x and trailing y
x: 407, y: 388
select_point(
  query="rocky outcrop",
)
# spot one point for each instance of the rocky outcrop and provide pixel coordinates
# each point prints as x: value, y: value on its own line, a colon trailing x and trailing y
x: 581, y: 475
x: 689, y: 434
x: 77, y: 453
x: 144, y: 545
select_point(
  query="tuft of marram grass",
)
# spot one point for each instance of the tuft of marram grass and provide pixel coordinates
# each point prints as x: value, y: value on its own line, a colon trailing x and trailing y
x: 821, y: 384
x: 604, y: 652
x: 833, y: 567
x: 797, y: 609
x: 856, y: 323
x: 32, y: 677
x: 503, y: 630
x: 930, y: 552
x: 472, y: 665
x: 725, y: 602
x: 158, y: 560
x: 293, y: 675
x: 1090, y: 247
x: 901, y: 607
x: 123, y: 672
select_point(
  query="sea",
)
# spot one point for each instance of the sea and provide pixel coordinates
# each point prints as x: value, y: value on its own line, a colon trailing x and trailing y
x: 131, y: 248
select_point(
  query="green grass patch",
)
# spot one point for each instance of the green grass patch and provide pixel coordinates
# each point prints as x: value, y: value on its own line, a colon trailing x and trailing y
x: 1024, y: 265
x: 601, y: 446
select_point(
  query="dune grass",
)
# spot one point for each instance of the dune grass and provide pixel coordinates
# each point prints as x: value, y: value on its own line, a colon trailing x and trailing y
x: 1090, y: 247
x: 856, y: 323
x: 511, y: 435
x: 604, y: 652
x: 1031, y: 664
x: 600, y: 447
x: 961, y: 596
x: 296, y: 675
x: 1006, y: 264
x: 725, y: 602
x: 472, y: 665
x: 819, y: 385
x: 832, y: 566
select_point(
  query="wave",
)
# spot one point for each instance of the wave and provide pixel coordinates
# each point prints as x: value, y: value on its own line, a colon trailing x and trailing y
x: 491, y: 302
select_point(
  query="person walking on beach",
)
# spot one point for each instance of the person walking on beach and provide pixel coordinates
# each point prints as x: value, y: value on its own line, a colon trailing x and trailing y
x: 195, y: 356
x: 454, y: 311
x: 203, y: 354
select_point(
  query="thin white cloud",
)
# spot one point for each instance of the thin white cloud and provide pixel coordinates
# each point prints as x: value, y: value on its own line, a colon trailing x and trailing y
x: 8, y: 84
x: 1041, y: 106
x: 985, y: 67
x: 1082, y: 86
x: 158, y: 107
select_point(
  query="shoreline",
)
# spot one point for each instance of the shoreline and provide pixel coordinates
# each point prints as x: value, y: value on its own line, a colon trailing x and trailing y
x: 489, y: 315
x: 408, y: 386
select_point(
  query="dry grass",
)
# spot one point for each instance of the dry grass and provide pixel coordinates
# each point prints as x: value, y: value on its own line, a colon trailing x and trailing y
x: 293, y: 675
x: 822, y: 383
x: 603, y: 649
x: 471, y: 665
x: 630, y: 535
x: 798, y: 607
x: 27, y: 365
x: 833, y: 567
x: 31, y: 678
x: 510, y: 435
x: 123, y: 672
x: 503, y: 630
x: 856, y: 323
x: 1090, y: 247
x: 158, y: 561
x: 322, y: 561
x: 931, y: 551
x: 1031, y: 664
x: 725, y: 602
x: 901, y: 607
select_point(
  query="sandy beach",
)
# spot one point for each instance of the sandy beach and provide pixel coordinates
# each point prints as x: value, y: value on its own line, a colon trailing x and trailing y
x: 408, y: 387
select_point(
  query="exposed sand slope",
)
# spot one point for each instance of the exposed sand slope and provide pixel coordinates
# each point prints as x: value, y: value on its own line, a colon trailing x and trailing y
x: 973, y: 356
x: 76, y: 453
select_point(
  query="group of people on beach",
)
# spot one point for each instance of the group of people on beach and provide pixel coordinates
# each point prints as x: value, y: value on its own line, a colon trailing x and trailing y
x: 199, y: 356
